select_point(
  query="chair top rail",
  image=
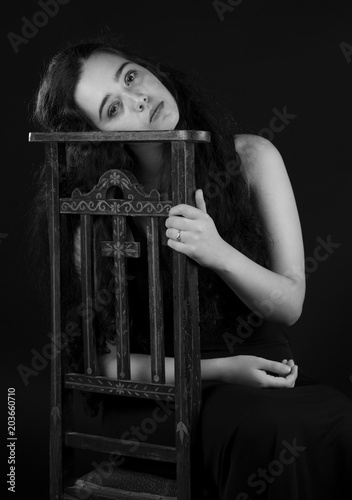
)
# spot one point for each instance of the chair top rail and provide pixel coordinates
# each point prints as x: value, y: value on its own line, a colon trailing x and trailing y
x: 135, y: 136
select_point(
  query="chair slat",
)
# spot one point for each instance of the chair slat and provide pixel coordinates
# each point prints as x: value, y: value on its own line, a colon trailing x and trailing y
x: 121, y: 312
x: 89, y: 351
x: 53, y: 153
x: 186, y: 326
x: 125, y: 447
x: 157, y: 349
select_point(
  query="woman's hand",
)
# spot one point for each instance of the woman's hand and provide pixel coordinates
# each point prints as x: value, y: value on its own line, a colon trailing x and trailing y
x: 198, y: 236
x: 251, y: 370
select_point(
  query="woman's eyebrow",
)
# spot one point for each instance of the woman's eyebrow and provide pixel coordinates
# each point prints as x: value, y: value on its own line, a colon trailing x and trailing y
x: 116, y: 77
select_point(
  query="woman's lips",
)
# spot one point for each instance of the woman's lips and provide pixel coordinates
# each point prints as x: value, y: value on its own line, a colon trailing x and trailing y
x: 155, y: 113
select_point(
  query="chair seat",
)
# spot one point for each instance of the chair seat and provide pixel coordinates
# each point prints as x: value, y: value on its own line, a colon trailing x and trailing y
x: 121, y: 483
x: 126, y: 480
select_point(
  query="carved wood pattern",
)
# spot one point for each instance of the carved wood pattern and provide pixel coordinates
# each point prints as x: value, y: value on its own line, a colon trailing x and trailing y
x: 181, y: 431
x: 118, y: 249
x: 135, y: 201
x: 119, y: 387
x: 123, y: 179
x: 112, y: 207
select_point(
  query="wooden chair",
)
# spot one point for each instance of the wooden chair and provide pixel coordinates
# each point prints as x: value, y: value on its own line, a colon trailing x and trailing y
x: 186, y: 392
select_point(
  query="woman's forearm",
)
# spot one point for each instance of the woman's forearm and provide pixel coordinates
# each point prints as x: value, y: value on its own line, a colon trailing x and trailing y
x: 271, y: 295
x: 209, y: 369
x: 141, y: 368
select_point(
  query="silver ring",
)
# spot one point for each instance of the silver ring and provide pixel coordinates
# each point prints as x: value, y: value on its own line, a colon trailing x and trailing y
x: 178, y: 237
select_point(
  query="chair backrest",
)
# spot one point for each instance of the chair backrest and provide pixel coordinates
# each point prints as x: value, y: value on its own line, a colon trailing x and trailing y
x: 135, y: 202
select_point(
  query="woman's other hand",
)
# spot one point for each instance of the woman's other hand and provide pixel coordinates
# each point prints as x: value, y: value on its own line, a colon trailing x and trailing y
x: 252, y: 370
x: 198, y: 236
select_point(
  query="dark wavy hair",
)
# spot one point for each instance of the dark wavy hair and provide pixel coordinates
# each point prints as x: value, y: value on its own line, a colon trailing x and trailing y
x: 230, y: 204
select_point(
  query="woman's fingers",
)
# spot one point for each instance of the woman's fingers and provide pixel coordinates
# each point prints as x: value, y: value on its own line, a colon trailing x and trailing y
x: 200, y: 202
x: 286, y: 370
x: 184, y: 210
x: 280, y: 382
x: 293, y: 375
x: 288, y: 362
x: 180, y: 223
x: 274, y: 367
x: 174, y: 233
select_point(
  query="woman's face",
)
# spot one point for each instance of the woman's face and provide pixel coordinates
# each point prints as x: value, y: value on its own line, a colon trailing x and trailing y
x: 117, y: 94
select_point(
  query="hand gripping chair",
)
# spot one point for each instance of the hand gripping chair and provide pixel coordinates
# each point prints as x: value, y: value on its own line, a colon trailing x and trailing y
x: 186, y: 392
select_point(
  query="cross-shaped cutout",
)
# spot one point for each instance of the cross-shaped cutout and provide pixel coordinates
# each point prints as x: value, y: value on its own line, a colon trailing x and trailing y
x: 120, y: 249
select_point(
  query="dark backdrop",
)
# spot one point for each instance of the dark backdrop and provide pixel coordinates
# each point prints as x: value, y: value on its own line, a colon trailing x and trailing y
x: 258, y: 58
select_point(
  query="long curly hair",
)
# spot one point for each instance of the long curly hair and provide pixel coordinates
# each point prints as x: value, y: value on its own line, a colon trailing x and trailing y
x: 218, y: 172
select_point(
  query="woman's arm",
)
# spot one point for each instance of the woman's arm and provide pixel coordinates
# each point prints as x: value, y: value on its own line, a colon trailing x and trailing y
x: 245, y: 370
x: 276, y: 293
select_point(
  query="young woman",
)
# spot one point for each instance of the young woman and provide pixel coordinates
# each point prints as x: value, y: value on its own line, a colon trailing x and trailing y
x: 265, y: 431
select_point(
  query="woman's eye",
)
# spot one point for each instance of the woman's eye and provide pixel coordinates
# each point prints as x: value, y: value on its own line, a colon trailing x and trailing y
x: 113, y: 110
x: 131, y: 75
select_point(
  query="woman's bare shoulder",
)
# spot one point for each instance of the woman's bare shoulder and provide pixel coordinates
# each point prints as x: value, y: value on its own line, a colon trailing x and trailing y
x: 256, y: 153
x: 250, y: 146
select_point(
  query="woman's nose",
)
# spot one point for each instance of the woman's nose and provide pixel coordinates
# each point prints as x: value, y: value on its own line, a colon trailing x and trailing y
x: 141, y: 102
x: 136, y: 101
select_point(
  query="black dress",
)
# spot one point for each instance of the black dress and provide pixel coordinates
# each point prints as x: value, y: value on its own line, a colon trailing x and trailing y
x: 253, y: 443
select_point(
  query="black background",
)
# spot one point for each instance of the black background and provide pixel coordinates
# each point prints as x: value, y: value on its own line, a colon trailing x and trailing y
x: 261, y: 56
